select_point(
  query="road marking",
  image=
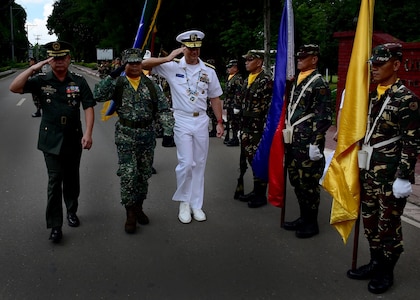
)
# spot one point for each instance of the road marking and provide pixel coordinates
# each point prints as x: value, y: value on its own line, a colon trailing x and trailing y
x: 21, y: 102
x: 410, y: 221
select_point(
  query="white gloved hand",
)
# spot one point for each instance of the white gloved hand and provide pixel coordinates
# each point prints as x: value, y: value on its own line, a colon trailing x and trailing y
x: 401, y: 188
x: 314, y: 152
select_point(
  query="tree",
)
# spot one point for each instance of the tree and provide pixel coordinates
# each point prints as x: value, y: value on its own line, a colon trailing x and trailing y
x: 17, y: 21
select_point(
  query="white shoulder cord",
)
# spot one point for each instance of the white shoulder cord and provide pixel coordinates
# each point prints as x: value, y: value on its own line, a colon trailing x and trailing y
x: 292, y: 108
x: 369, y: 131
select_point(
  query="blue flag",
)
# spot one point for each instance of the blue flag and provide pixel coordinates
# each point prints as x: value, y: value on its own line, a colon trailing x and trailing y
x: 144, y: 32
x: 284, y: 57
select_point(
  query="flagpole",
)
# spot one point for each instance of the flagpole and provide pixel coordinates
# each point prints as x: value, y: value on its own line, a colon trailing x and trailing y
x: 289, y: 83
x: 355, y: 243
x: 283, y: 209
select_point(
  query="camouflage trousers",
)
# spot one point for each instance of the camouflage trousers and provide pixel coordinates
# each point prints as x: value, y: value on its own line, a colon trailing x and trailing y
x: 135, y: 149
x: 233, y: 121
x: 304, y: 176
x: 249, y: 146
x: 381, y: 213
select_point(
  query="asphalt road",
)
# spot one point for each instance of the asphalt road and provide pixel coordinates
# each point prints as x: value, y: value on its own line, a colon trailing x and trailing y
x: 238, y: 253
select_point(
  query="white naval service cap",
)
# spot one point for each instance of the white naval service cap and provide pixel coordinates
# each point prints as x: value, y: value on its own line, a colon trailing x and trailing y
x: 191, y: 38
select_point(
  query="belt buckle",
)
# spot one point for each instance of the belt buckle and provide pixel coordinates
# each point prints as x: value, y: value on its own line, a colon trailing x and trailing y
x: 63, y: 120
x: 196, y: 114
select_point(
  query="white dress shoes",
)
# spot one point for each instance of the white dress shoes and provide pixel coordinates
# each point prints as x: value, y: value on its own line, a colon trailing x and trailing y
x: 198, y: 214
x: 184, y: 212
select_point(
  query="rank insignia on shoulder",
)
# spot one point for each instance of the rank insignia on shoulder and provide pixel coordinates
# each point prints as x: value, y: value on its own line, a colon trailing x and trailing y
x: 210, y: 65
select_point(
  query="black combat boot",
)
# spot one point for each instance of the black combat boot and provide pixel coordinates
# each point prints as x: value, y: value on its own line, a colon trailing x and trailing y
x: 234, y: 142
x: 130, y: 223
x: 140, y: 215
x: 309, y: 226
x: 239, y: 191
x: 366, y: 271
x: 247, y: 197
x: 294, y: 225
x: 383, y: 277
x: 260, y: 198
x: 168, y: 141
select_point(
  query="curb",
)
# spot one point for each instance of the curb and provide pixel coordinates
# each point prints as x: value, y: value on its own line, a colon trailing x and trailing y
x: 5, y: 73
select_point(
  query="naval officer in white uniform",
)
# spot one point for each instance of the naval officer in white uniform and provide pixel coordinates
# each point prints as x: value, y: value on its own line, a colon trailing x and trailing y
x: 191, y: 82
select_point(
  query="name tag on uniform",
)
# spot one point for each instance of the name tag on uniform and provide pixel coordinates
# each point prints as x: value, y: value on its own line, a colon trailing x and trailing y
x: 391, y: 108
x: 179, y: 75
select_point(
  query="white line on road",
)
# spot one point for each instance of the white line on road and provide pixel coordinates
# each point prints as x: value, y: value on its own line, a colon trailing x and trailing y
x: 21, y: 102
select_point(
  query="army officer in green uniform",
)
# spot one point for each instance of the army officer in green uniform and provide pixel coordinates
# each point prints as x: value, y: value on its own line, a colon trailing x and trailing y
x: 61, y: 137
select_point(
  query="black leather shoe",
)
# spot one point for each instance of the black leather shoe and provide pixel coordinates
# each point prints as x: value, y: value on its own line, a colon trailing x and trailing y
x: 363, y: 272
x: 226, y: 141
x: 36, y: 114
x: 248, y: 197
x: 73, y: 220
x: 233, y: 143
x: 258, y: 201
x: 293, y: 225
x: 56, y: 234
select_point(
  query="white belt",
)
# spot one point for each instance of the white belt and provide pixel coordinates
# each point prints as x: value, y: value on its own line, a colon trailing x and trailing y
x: 190, y: 114
x: 369, y: 149
x: 288, y: 131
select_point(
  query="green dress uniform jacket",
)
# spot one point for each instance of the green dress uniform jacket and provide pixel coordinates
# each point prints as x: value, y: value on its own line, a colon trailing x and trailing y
x: 60, y: 103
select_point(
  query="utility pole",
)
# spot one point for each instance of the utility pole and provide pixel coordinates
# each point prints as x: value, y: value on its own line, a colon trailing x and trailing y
x: 37, y: 38
x: 27, y: 37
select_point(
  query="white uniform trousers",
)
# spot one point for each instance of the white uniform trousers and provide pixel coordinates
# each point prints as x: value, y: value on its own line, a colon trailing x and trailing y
x: 191, y: 135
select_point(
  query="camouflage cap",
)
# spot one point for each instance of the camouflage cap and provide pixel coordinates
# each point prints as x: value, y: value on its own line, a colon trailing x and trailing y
x: 58, y: 48
x: 191, y: 38
x: 382, y: 53
x: 306, y: 50
x: 231, y: 63
x: 254, y: 54
x: 132, y: 55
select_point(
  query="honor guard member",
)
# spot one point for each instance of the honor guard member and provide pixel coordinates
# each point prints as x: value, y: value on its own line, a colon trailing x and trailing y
x: 191, y: 82
x: 392, y: 143
x: 308, y: 117
x: 232, y: 102
x: 61, y: 138
x: 140, y: 104
x: 256, y: 96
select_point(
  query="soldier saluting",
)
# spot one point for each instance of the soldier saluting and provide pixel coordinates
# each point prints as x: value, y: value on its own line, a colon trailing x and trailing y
x: 61, y: 138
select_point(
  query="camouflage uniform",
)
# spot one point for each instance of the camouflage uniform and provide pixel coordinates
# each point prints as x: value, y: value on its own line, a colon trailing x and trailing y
x: 135, y: 134
x: 233, y: 101
x: 256, y: 101
x: 381, y: 210
x: 304, y: 173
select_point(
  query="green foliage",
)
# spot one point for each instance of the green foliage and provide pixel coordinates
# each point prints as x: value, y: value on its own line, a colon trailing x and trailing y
x: 20, y: 42
x: 231, y: 27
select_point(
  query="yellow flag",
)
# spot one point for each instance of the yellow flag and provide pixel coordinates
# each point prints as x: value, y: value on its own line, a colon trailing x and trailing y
x: 105, y: 107
x: 342, y: 177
